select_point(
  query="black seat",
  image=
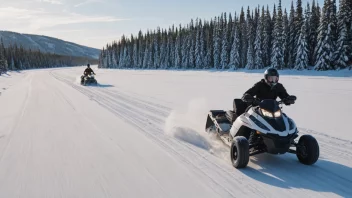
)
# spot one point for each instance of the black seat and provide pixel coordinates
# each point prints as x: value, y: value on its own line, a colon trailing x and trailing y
x: 231, y: 116
x: 239, y: 107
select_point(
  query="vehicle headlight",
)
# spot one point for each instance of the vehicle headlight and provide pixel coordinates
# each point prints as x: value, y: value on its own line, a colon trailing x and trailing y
x: 266, y: 113
x: 277, y: 114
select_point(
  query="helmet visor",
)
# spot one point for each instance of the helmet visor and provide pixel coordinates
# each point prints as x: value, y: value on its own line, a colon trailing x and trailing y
x: 273, y: 79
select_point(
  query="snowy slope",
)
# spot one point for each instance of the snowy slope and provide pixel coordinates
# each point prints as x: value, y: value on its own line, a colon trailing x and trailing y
x: 48, y: 44
x: 141, y: 134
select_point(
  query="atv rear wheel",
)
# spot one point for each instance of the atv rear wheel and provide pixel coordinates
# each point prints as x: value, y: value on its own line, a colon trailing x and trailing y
x: 239, y: 152
x: 307, y: 150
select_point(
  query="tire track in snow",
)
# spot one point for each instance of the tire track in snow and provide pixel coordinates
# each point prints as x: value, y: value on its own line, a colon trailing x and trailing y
x: 136, y: 102
x: 227, y: 182
x: 18, y: 120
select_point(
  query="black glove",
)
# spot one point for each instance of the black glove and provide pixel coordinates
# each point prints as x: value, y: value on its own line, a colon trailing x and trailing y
x: 290, y: 100
x: 256, y: 101
x: 247, y: 98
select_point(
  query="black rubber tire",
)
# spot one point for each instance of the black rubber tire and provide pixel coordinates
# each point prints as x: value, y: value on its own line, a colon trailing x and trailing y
x: 239, y: 152
x: 312, y: 150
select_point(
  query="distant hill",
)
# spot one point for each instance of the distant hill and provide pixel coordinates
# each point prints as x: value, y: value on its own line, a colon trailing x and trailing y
x: 48, y: 44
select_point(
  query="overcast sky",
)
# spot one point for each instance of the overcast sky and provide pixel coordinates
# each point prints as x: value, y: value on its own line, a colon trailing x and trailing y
x: 95, y: 23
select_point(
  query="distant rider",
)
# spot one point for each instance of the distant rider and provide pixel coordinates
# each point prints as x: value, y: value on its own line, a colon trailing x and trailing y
x: 87, y: 71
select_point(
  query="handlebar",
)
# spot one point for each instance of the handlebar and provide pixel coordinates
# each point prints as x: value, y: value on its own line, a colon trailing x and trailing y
x: 287, y: 101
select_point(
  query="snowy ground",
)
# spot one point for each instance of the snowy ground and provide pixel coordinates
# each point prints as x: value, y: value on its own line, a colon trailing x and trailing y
x: 141, y: 134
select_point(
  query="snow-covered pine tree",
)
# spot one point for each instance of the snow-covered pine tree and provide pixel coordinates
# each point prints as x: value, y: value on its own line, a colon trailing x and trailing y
x: 150, y: 62
x: 121, y: 53
x: 235, y: 57
x: 178, y: 50
x: 125, y: 62
x: 313, y: 27
x: 224, y: 49
x: 343, y: 51
x: 286, y: 47
x: 130, y: 55
x: 298, y: 23
x: 117, y: 54
x: 267, y: 38
x: 334, y: 31
x: 168, y: 51
x: 217, y: 45
x: 277, y: 52
x: 146, y: 53
x: 250, y: 40
x: 3, y: 61
x: 135, y: 54
x: 100, y: 60
x: 244, y: 39
x: 163, y: 51
x: 192, y: 58
x: 209, y: 47
x: 349, y: 5
x: 230, y: 31
x: 202, y: 48
x: 140, y: 49
x: 250, y: 52
x: 157, y: 44
x: 172, y: 49
x: 302, y: 48
x: 258, y: 47
x: 185, y: 47
x: 351, y: 43
x: 198, y: 49
x: 324, y: 47
x: 192, y: 46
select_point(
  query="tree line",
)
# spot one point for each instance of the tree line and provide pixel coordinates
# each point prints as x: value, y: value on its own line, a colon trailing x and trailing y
x: 303, y: 38
x: 16, y: 57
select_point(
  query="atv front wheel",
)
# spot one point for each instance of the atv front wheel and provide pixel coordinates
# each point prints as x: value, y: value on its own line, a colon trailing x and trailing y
x: 307, y: 150
x: 239, y: 152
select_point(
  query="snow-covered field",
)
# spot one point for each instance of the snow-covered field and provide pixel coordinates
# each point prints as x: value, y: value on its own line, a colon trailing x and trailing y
x: 141, y: 134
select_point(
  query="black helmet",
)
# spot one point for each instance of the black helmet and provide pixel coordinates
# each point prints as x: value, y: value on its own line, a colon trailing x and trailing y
x: 88, y: 65
x: 271, y: 76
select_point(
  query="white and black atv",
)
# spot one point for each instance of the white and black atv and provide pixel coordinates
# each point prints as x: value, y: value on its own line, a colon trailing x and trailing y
x: 262, y: 128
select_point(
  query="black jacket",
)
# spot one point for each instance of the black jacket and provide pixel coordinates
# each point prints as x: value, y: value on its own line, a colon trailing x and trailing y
x: 263, y: 91
x: 88, y: 71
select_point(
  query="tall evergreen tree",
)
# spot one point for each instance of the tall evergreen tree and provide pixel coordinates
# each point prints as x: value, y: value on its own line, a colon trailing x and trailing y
x: 343, y: 52
x: 286, y: 41
x: 217, y: 46
x: 198, y: 49
x: 325, y: 39
x: 192, y: 58
x: 314, y: 22
x: 302, y: 49
x: 235, y: 57
x: 258, y: 47
x: 3, y: 61
x: 298, y: 23
x: 224, y: 50
x: 277, y: 54
x: 178, y: 50
x: 243, y: 36
x: 267, y: 41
